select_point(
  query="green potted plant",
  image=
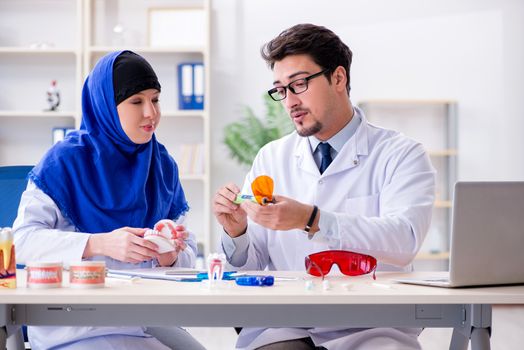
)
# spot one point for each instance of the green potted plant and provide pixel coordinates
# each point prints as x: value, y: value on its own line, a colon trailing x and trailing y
x: 245, y: 137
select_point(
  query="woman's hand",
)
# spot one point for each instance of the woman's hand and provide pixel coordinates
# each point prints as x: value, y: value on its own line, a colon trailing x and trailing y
x: 179, y: 235
x: 124, y: 244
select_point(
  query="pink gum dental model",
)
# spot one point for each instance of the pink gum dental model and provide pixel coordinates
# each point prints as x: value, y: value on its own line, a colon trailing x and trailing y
x: 165, y: 236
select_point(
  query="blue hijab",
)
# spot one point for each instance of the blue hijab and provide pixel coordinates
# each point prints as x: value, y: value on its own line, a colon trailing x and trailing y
x: 99, y: 178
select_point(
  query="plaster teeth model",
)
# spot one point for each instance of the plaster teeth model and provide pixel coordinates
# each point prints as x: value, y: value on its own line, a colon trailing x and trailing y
x: 162, y: 235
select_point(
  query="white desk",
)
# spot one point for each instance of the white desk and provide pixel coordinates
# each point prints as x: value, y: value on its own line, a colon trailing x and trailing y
x: 366, y: 303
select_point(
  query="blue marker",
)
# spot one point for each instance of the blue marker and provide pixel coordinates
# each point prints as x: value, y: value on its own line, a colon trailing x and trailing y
x: 257, y: 281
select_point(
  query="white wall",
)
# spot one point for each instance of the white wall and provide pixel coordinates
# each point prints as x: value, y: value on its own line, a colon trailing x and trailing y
x: 471, y: 51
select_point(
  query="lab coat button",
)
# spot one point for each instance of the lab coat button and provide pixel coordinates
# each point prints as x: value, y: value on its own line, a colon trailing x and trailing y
x: 320, y: 182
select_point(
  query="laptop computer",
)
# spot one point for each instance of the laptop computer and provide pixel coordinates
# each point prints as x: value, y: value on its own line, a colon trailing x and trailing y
x: 487, y: 236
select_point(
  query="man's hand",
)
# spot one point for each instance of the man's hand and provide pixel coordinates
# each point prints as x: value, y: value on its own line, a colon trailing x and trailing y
x: 230, y: 215
x: 124, y: 244
x: 285, y: 214
x: 169, y: 258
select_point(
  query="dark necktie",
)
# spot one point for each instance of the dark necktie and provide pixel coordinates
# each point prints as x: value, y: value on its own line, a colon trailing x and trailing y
x: 325, y: 151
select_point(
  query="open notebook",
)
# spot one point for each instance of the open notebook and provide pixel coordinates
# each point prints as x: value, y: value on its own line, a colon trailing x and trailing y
x: 487, y: 236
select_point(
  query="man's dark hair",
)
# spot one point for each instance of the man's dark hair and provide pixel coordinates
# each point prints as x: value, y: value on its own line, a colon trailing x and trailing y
x: 325, y: 48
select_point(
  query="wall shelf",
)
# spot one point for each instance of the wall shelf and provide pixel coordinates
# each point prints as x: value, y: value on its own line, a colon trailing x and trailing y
x: 433, y: 256
x: 434, y: 124
x: 37, y: 114
x: 443, y: 204
x: 47, y: 51
x: 443, y: 153
x: 147, y: 49
x: 184, y: 114
x: 193, y: 177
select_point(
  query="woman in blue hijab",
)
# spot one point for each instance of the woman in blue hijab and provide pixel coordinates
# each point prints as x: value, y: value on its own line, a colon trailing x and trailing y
x: 93, y: 196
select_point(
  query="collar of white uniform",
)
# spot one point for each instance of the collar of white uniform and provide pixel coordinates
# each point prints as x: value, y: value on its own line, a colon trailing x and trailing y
x: 338, y: 140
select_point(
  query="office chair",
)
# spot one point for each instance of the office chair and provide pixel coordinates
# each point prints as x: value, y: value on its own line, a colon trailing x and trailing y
x: 13, y: 181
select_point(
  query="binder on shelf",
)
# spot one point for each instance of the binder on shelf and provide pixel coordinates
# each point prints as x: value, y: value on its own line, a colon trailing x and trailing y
x: 191, y: 85
x: 198, y: 85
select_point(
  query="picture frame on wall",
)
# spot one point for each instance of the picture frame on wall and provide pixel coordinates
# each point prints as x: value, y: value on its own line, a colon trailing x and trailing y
x: 177, y: 27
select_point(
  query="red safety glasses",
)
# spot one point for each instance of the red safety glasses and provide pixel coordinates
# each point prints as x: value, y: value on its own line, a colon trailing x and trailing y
x: 349, y: 263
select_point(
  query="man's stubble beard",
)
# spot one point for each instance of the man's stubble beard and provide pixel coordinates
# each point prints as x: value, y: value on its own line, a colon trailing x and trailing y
x: 312, y: 130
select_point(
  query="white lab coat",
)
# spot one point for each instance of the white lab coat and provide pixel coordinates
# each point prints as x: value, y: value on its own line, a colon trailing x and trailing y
x: 41, y: 233
x: 375, y: 198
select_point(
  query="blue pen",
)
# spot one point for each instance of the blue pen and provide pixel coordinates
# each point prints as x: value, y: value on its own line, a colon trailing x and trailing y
x: 257, y: 281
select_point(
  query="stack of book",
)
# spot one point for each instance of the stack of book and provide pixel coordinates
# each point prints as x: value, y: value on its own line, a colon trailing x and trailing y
x: 190, y: 159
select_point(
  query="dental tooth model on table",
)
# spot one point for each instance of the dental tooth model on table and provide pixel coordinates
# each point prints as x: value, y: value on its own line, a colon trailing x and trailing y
x: 7, y: 259
x: 215, y: 268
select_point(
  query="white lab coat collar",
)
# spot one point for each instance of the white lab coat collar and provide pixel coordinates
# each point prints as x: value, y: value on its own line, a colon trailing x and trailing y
x: 357, y: 146
x: 338, y: 140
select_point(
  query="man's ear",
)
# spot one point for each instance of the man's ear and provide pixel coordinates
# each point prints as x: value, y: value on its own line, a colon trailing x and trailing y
x: 339, y: 77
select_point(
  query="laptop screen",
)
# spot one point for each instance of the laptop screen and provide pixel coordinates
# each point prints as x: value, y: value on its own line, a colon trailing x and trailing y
x: 487, y: 238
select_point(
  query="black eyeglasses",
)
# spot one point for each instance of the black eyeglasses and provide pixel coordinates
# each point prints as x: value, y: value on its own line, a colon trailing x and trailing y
x: 296, y: 86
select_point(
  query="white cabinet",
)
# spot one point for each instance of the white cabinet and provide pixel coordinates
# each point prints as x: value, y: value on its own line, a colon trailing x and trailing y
x: 434, y: 124
x: 61, y: 40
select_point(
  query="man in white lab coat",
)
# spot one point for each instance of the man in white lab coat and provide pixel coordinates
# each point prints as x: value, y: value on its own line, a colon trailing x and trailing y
x: 373, y: 188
